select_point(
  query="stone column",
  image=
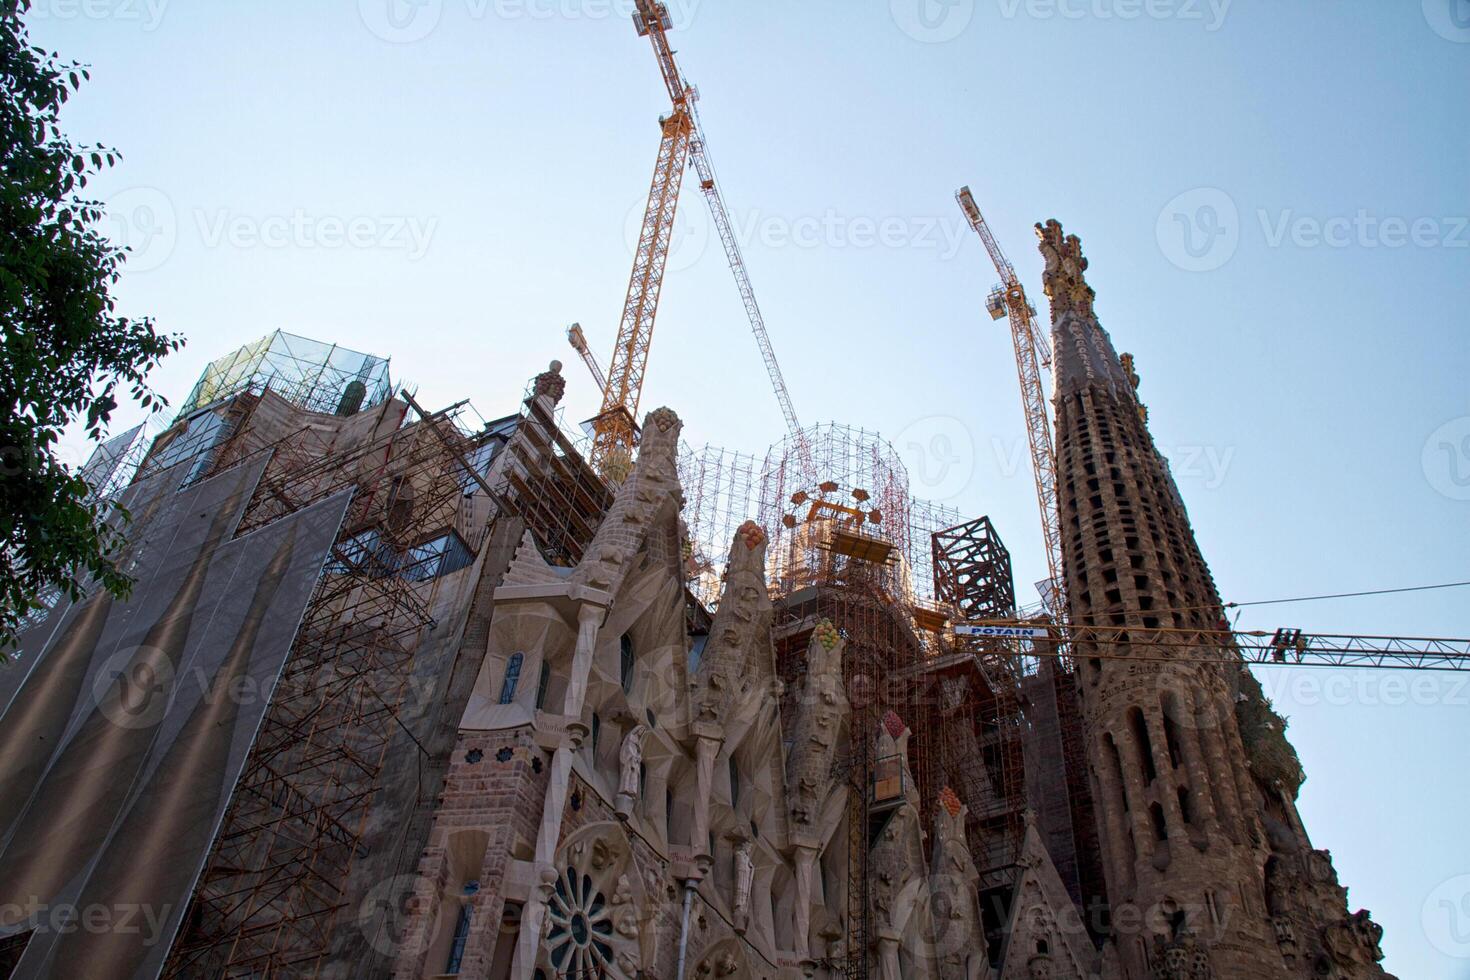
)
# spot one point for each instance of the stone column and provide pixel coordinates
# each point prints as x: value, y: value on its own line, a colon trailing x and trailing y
x: 1137, y: 795
x: 1198, y: 773
x: 1117, y: 840
x: 888, y: 954
x: 707, y: 748
x: 533, y: 913
x: 589, y: 623
x: 806, y: 861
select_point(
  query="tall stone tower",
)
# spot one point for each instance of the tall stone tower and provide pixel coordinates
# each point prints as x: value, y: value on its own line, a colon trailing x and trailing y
x: 1193, y: 822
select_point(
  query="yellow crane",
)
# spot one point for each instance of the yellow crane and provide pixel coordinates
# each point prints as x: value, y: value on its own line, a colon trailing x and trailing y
x: 1008, y: 301
x: 682, y: 143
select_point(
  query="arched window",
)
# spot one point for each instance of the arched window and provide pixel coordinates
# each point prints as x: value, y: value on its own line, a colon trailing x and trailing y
x: 1161, y: 829
x: 625, y: 663
x: 512, y: 677
x: 1145, y: 744
x: 734, y: 781
x: 669, y: 815
x: 543, y: 686
x: 596, y: 731
x: 461, y: 929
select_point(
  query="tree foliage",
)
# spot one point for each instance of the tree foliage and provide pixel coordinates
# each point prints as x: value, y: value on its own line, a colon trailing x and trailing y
x: 66, y: 356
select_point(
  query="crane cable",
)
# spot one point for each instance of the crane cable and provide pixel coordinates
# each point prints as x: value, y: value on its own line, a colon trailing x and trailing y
x: 1348, y: 595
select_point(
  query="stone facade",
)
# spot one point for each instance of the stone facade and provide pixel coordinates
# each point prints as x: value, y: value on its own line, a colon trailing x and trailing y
x: 643, y: 810
x: 1209, y: 871
x: 591, y: 775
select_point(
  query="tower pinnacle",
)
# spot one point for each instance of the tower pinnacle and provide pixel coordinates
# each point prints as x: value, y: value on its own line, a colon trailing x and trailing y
x: 1084, y: 353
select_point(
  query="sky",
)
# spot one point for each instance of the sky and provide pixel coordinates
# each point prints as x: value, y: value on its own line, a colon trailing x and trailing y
x: 1273, y: 197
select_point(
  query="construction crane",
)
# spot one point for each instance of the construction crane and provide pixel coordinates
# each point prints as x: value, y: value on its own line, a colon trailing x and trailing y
x: 1008, y: 299
x: 682, y: 143
x: 1288, y: 647
x: 578, y: 340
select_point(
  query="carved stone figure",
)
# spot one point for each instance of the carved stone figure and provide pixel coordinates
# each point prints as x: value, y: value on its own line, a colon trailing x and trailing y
x: 744, y: 879
x: 630, y: 761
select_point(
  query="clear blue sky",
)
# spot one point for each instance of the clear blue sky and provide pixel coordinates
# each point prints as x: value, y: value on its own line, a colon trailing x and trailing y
x: 451, y: 182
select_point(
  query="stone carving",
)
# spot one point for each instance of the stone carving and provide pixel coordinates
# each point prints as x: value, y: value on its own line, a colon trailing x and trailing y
x: 744, y: 879
x: 630, y: 762
x: 1354, y: 940
x: 664, y: 418
x: 958, y: 937
x: 1181, y: 958
x: 740, y: 632
x: 1065, y: 275
x: 751, y: 533
x: 818, y: 719
x: 595, y: 920
x: 550, y: 383
x: 725, y: 960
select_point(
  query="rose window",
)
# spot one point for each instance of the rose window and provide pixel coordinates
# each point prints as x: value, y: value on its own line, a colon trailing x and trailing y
x: 581, y: 932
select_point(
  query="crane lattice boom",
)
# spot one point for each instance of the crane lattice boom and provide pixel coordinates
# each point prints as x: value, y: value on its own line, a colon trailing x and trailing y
x: 1284, y: 647
x: 578, y: 340
x: 616, y: 424
x: 1032, y: 350
x: 683, y: 141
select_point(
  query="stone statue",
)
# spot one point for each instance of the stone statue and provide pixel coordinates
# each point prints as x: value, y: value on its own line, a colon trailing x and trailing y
x: 630, y: 759
x: 744, y: 879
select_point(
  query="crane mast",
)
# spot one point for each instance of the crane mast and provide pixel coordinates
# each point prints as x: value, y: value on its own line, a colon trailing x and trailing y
x: 1032, y: 351
x: 616, y: 424
x: 683, y: 142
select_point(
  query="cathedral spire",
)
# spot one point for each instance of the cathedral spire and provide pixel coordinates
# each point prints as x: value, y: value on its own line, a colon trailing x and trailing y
x: 1083, y: 350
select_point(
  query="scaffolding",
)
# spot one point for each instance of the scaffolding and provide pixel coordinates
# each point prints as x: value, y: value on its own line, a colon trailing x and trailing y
x: 891, y: 573
x: 312, y: 375
x: 276, y: 879
x: 859, y: 514
x: 549, y: 483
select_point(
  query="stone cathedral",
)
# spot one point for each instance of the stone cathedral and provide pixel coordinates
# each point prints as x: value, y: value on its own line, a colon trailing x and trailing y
x: 624, y: 803
x: 510, y: 740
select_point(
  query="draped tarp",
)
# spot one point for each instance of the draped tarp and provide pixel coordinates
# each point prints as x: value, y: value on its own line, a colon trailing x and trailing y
x: 124, y: 726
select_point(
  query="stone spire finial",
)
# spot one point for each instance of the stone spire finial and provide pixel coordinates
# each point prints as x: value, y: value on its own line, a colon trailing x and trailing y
x: 1083, y: 352
x: 1065, y: 277
x: 661, y: 428
x: 550, y: 383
